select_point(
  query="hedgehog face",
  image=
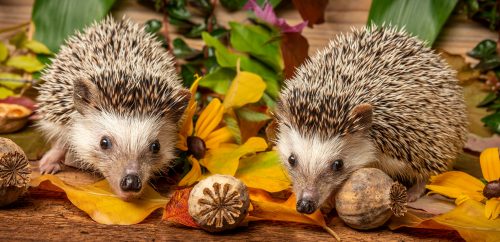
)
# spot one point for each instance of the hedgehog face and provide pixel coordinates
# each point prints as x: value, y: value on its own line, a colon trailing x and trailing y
x: 126, y: 150
x: 318, y: 166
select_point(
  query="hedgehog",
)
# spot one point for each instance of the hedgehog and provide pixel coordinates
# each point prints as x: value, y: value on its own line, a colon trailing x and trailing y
x: 376, y: 97
x: 111, y: 102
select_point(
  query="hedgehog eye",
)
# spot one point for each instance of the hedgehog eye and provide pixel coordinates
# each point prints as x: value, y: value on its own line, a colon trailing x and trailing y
x: 292, y: 160
x: 105, y: 143
x: 155, y: 147
x: 337, y: 165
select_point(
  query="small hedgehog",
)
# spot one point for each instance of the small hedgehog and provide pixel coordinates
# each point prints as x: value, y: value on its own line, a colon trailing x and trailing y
x: 376, y: 97
x: 112, y: 102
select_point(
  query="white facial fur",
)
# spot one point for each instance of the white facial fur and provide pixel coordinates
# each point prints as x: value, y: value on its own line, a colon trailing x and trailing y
x: 313, y: 174
x: 130, y: 150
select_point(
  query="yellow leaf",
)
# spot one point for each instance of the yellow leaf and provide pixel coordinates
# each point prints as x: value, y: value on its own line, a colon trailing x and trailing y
x: 4, y: 52
x: 245, y: 88
x: 103, y: 206
x: 263, y: 171
x: 492, y: 208
x: 225, y: 159
x: 193, y: 175
x: 214, y: 139
x: 36, y: 47
x: 209, y: 118
x: 490, y: 164
x: 25, y: 62
x: 469, y: 220
x: 456, y: 183
x: 267, y: 208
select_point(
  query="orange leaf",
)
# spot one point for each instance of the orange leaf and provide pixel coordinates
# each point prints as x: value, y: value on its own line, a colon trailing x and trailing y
x: 176, y: 210
x: 267, y: 208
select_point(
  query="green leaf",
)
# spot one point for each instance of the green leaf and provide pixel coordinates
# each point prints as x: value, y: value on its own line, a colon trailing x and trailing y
x: 488, y: 63
x: 182, y: 50
x: 232, y: 124
x: 152, y: 26
x: 233, y: 5
x: 251, y: 115
x: 226, y: 58
x: 484, y: 49
x: 263, y: 171
x: 25, y: 62
x: 219, y: 80
x: 274, y: 3
x: 31, y: 141
x: 4, y: 52
x: 36, y: 47
x: 423, y: 18
x: 258, y: 42
x: 55, y: 20
x: 493, y: 121
x: 7, y: 87
x: 488, y: 99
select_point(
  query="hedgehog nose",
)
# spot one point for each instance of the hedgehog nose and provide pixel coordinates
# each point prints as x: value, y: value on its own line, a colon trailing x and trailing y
x: 306, y: 206
x: 131, y: 183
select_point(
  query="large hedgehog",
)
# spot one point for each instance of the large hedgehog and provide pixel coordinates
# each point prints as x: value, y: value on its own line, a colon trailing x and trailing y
x: 111, y: 102
x: 376, y: 97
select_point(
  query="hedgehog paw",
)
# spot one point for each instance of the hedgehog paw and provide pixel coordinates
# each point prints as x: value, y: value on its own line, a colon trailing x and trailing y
x: 416, y: 191
x: 51, y: 162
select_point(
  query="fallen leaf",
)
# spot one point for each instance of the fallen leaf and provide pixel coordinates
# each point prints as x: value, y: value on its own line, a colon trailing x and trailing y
x: 263, y: 171
x: 311, y: 11
x: 457, y: 62
x: 295, y: 50
x: 23, y: 101
x: 467, y: 219
x: 267, y: 208
x: 226, y: 158
x: 434, y: 204
x: 478, y: 144
x: 102, y: 205
x: 473, y: 95
x: 245, y: 88
x: 25, y: 62
x: 176, y: 210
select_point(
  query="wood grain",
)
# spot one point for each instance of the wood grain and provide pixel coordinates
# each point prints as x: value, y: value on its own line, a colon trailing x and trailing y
x: 38, y: 218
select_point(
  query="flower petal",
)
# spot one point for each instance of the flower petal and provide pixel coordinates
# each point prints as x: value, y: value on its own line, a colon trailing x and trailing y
x: 246, y: 88
x: 226, y: 158
x: 193, y: 175
x: 492, y: 208
x: 455, y: 184
x: 263, y: 171
x: 490, y: 164
x: 186, y: 128
x: 214, y: 139
x: 209, y: 119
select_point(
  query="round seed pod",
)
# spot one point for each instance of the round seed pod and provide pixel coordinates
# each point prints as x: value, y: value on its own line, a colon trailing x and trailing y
x: 14, y: 172
x: 369, y: 198
x: 13, y: 117
x: 219, y: 203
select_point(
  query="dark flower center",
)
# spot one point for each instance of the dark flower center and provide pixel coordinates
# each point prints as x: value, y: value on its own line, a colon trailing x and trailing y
x: 196, y: 147
x: 492, y: 189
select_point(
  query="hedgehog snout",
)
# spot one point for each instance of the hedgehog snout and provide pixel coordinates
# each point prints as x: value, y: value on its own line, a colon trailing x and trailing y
x: 307, y: 202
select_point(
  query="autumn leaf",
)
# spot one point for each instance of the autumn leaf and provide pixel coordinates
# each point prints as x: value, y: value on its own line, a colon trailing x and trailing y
x: 102, y: 205
x: 37, y: 47
x: 177, y: 209
x: 267, y: 208
x: 294, y: 48
x: 467, y: 219
x: 263, y: 171
x: 311, y: 11
x: 25, y: 62
x: 246, y: 88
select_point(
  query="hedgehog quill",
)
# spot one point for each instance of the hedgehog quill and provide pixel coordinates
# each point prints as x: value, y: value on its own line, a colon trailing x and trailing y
x: 375, y: 97
x: 111, y: 101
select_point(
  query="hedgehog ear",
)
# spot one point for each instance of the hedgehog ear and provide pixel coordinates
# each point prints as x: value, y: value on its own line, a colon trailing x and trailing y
x: 84, y: 94
x: 181, y: 104
x: 361, y: 117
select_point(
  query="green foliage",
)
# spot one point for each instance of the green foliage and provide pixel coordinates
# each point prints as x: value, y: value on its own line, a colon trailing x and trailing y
x: 423, y: 18
x: 4, y: 52
x: 251, y: 115
x: 218, y: 80
x: 55, y: 20
x: 27, y: 63
x: 483, y: 11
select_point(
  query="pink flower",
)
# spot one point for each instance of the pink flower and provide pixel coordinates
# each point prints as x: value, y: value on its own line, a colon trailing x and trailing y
x: 267, y: 14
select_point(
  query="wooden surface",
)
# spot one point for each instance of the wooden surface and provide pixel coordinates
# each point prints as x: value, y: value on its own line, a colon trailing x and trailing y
x: 36, y: 217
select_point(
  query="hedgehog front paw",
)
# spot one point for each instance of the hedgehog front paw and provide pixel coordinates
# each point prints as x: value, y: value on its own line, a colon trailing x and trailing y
x: 51, y: 162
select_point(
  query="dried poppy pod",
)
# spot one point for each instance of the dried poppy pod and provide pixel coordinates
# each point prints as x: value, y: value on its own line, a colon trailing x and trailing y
x: 219, y: 203
x: 13, y: 117
x: 369, y: 198
x: 14, y: 172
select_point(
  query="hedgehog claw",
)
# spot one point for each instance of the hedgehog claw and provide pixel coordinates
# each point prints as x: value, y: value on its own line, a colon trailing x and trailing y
x: 51, y: 161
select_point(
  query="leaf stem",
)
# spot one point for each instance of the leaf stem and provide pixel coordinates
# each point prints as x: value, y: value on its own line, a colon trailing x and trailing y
x: 330, y: 231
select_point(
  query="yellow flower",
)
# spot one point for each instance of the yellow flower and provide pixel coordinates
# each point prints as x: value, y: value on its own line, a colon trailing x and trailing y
x: 210, y: 145
x: 462, y: 186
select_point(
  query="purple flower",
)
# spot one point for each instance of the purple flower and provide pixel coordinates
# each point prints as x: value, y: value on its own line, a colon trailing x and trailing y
x: 267, y: 14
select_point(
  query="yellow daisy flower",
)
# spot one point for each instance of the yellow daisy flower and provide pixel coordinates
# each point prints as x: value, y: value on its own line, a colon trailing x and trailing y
x: 462, y: 186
